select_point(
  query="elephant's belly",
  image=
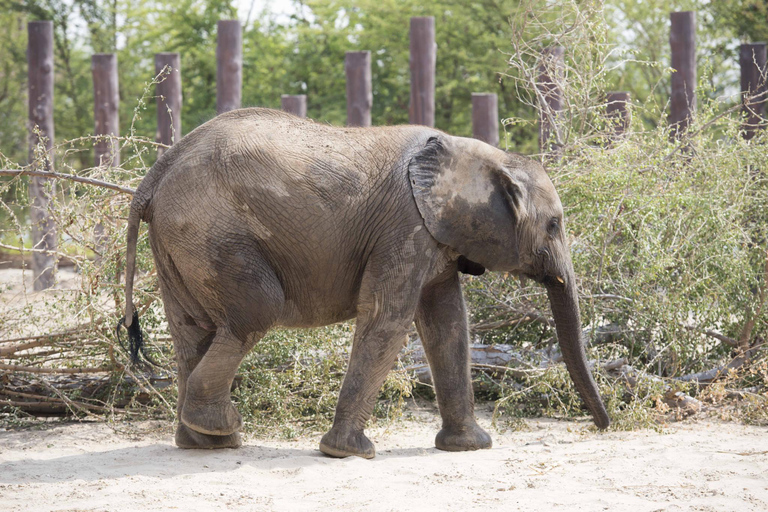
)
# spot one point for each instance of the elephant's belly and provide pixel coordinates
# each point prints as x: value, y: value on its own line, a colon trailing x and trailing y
x: 316, y: 313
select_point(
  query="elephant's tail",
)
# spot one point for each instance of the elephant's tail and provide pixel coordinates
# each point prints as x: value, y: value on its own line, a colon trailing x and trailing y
x: 131, y: 319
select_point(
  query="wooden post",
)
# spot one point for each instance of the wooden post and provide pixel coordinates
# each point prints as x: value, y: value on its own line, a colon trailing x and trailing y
x: 752, y: 58
x: 106, y: 103
x: 550, y: 75
x: 682, y: 40
x: 40, y: 75
x: 423, y: 61
x: 294, y: 104
x: 229, y: 65
x: 485, y: 117
x: 359, y: 89
x: 617, y: 112
x: 168, y: 99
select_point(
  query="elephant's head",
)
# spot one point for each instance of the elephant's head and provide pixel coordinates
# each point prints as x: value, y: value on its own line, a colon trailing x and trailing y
x: 500, y: 210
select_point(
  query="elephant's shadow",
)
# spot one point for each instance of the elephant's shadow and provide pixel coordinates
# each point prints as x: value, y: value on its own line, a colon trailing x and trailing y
x: 163, y: 460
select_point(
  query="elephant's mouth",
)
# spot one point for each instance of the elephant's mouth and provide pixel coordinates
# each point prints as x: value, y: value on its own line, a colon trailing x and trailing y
x: 548, y: 280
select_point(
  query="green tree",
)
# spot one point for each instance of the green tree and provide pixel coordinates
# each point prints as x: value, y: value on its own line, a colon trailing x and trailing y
x: 471, y: 40
x: 747, y: 18
x: 13, y: 84
x: 640, y: 29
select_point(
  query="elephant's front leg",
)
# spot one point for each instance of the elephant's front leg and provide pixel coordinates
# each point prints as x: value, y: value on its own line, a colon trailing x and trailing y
x: 441, y: 320
x: 386, y: 308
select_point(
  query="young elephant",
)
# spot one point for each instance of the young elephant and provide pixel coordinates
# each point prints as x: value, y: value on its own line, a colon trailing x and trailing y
x: 259, y: 219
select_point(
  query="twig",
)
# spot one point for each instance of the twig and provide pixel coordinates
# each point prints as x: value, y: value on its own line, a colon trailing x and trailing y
x: 70, y: 403
x: 71, y: 177
x: 714, y: 334
x: 42, y: 251
x: 746, y: 332
x: 32, y: 369
x: 531, y: 317
x: 51, y: 399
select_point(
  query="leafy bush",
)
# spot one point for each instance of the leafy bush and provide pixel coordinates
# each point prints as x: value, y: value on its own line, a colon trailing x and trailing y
x: 668, y: 239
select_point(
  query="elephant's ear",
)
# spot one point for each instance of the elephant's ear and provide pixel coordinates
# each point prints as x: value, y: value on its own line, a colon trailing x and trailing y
x: 468, y: 199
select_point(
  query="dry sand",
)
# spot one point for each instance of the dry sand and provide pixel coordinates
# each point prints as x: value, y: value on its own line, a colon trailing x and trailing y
x: 554, y: 465
x: 696, y: 465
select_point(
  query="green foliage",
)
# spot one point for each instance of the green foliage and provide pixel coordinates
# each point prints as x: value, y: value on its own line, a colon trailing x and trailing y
x: 471, y: 38
x: 551, y: 394
x: 748, y: 18
x: 13, y: 47
x: 668, y: 238
x: 290, y: 382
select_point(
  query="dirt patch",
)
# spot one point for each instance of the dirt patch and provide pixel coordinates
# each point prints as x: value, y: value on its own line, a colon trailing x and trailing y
x: 554, y: 465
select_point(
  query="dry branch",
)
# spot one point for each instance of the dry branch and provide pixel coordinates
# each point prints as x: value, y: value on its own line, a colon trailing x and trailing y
x: 712, y: 375
x: 714, y: 334
x: 511, y: 322
x: 33, y: 369
x: 70, y: 177
x: 671, y: 397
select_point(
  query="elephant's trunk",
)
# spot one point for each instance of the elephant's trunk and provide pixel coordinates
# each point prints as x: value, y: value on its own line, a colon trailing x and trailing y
x: 565, y: 309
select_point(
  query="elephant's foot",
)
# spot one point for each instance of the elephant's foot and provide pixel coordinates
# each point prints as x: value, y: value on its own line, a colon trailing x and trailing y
x: 462, y: 439
x: 340, y: 443
x: 212, y: 418
x: 189, y: 439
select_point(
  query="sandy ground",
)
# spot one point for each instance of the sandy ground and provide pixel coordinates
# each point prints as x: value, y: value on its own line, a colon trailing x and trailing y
x: 554, y: 465
x: 697, y: 465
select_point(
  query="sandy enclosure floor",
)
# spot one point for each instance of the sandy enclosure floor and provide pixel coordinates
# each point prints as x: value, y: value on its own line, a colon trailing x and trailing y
x: 703, y: 466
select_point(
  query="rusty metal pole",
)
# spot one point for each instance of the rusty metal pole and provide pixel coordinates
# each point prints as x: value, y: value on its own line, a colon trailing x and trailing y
x: 550, y: 76
x: 423, y: 62
x: 106, y: 103
x: 168, y: 99
x: 229, y: 65
x: 682, y: 41
x: 485, y: 117
x: 359, y: 88
x: 752, y: 58
x: 40, y: 74
x: 617, y: 112
x: 295, y: 104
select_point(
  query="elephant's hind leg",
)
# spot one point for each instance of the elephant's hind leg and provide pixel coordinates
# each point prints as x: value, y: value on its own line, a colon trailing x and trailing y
x: 190, y: 344
x: 208, y: 408
x: 252, y: 299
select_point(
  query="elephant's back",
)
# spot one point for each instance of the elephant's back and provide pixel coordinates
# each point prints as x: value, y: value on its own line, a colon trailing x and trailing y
x: 310, y: 199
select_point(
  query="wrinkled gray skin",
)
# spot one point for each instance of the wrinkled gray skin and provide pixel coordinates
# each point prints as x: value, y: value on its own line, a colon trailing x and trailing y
x: 259, y: 219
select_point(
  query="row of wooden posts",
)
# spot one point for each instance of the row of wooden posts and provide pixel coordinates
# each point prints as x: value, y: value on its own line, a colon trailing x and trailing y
x: 423, y: 54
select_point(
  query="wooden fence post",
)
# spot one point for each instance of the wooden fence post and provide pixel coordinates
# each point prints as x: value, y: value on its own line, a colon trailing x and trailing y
x: 229, y: 65
x: 752, y: 59
x: 168, y: 99
x: 485, y: 117
x: 359, y: 89
x: 617, y: 112
x: 295, y: 104
x: 550, y: 75
x: 106, y: 103
x: 423, y: 61
x: 682, y: 41
x: 40, y: 73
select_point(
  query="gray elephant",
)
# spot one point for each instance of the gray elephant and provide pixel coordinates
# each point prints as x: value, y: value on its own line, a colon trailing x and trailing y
x: 259, y: 219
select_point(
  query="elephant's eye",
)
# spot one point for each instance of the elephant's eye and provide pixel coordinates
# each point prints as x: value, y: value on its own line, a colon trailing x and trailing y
x: 553, y: 226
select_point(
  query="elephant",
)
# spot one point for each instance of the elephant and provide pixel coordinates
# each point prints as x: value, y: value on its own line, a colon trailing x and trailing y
x: 259, y: 219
